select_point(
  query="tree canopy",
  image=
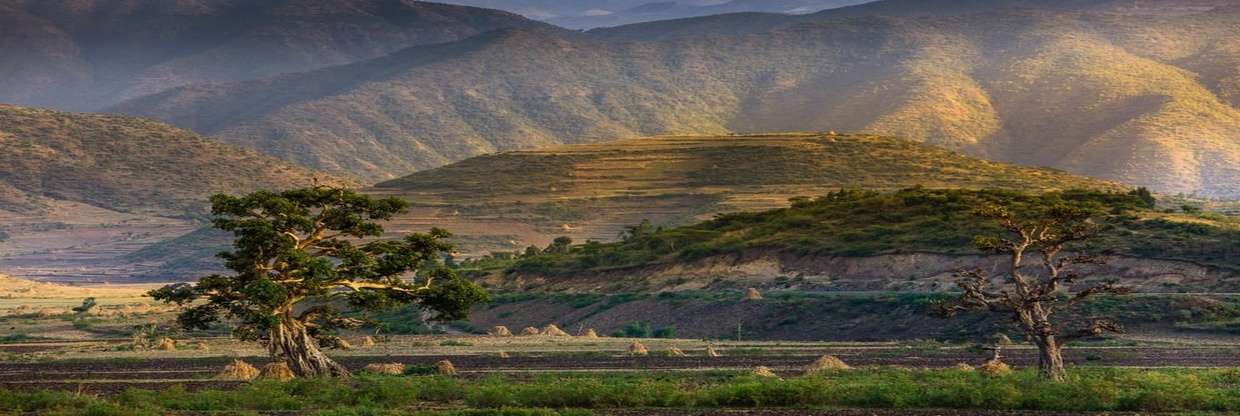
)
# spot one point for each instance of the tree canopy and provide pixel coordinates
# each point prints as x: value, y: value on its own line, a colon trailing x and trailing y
x: 302, y: 257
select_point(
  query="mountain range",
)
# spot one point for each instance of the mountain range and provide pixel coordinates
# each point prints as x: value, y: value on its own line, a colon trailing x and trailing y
x: 1149, y: 99
x: 88, y: 54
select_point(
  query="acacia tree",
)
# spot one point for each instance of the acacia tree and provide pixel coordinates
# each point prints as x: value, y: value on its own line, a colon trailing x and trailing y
x: 1033, y: 295
x: 303, y: 257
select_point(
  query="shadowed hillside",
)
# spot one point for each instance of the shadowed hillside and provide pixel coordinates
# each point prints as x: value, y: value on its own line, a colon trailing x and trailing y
x: 84, y: 55
x: 1147, y: 100
x: 125, y: 164
x: 79, y: 189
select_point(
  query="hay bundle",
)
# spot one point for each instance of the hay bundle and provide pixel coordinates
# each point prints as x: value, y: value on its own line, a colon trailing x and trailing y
x: 675, y: 352
x: 753, y: 294
x: 368, y: 341
x: 238, y: 370
x: 554, y: 331
x: 590, y: 333
x: 500, y: 331
x: 502, y: 354
x: 445, y: 368
x: 166, y: 344
x: 638, y: 350
x: 764, y: 372
x: 711, y: 351
x: 995, y: 368
x: 394, y: 369
x: 278, y: 371
x: 202, y: 346
x: 335, y: 343
x: 529, y: 330
x: 826, y: 363
x: 140, y: 341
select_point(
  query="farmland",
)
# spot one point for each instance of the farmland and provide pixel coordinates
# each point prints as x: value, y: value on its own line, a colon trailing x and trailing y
x: 71, y: 364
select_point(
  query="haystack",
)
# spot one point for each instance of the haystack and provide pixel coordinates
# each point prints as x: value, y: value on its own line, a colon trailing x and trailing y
x: 963, y: 367
x: 238, y: 370
x: 394, y: 369
x: 826, y: 363
x: 590, y: 333
x: 529, y: 330
x: 278, y: 371
x: 753, y: 294
x: 994, y: 368
x: 554, y: 331
x: 502, y: 354
x: 445, y: 368
x: 140, y: 342
x: 166, y: 344
x: 711, y: 351
x: 202, y: 346
x: 500, y: 331
x: 765, y: 372
x: 675, y: 352
x: 368, y: 341
x: 638, y: 350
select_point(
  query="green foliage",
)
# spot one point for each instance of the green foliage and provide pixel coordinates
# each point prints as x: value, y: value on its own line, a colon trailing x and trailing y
x: 1087, y: 390
x: 867, y: 223
x: 309, y: 246
x: 642, y: 329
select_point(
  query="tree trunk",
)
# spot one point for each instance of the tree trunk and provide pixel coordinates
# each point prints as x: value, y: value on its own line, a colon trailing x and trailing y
x: 1050, y: 358
x: 291, y: 343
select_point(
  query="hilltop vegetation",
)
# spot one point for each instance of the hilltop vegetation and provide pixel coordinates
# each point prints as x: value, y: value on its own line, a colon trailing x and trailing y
x: 868, y: 223
x: 1145, y: 100
x: 85, y: 55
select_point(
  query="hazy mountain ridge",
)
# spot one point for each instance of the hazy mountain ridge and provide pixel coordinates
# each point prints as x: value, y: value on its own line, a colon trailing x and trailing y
x: 1140, y: 99
x: 85, y: 55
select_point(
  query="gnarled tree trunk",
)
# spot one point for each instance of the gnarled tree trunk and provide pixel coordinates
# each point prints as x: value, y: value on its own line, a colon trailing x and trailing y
x: 292, y: 343
x: 1050, y: 358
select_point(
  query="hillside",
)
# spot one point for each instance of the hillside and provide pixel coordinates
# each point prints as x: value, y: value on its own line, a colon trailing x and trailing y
x: 912, y: 239
x: 509, y: 200
x: 85, y: 55
x: 1145, y: 100
x: 125, y: 164
x: 80, y: 189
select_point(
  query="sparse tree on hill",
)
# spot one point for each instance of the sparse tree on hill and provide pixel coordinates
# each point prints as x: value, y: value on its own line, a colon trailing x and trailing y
x: 302, y: 257
x: 1033, y: 295
x: 560, y: 245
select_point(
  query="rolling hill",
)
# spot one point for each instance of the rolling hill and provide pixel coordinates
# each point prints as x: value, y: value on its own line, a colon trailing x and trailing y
x: 80, y: 189
x: 912, y: 239
x: 87, y: 54
x: 1149, y: 100
x: 593, y: 192
x: 508, y: 201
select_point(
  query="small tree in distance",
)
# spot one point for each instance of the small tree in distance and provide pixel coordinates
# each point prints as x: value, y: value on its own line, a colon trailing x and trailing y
x: 1033, y: 297
x: 300, y: 256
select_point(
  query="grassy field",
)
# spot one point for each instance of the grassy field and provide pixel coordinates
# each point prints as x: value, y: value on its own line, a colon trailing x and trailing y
x: 878, y: 388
